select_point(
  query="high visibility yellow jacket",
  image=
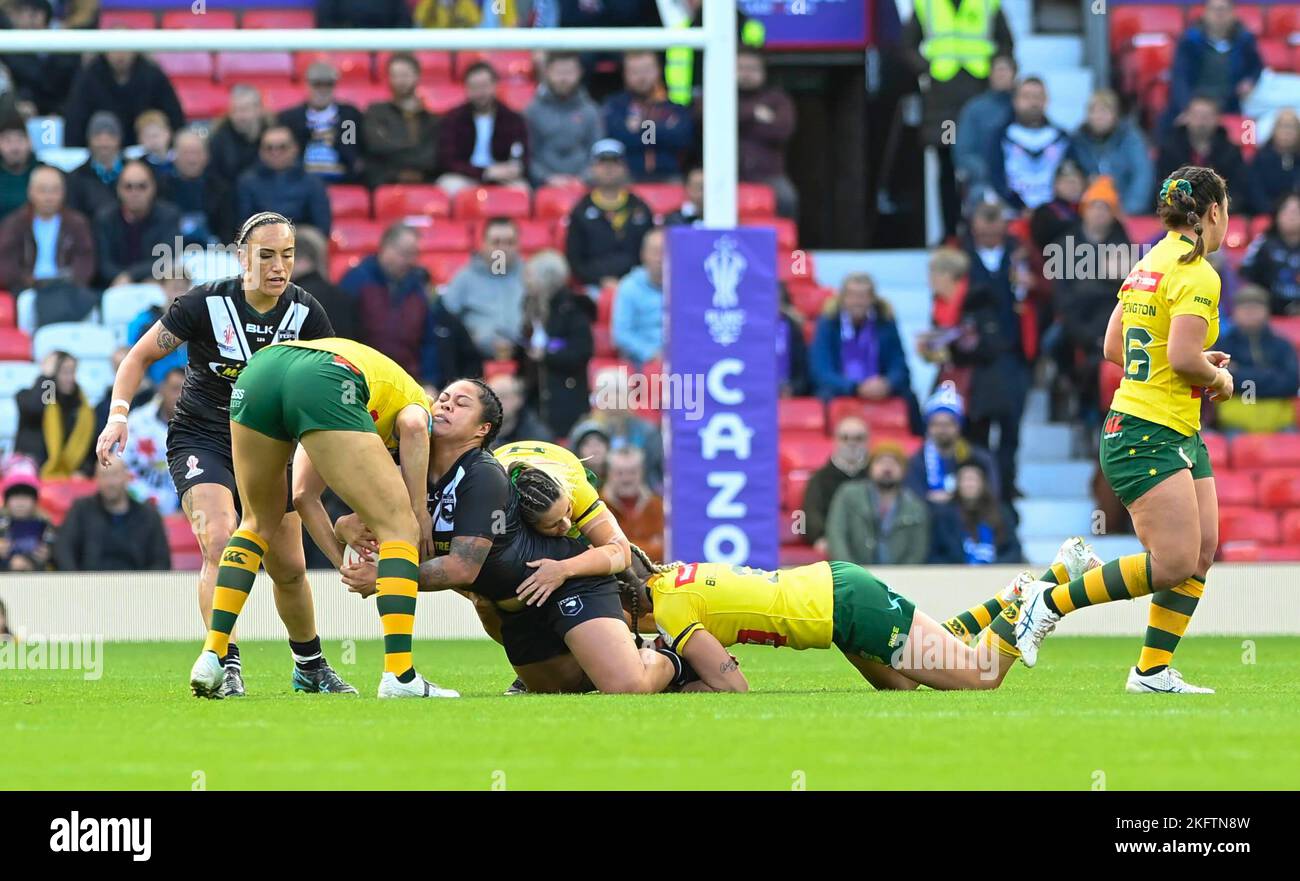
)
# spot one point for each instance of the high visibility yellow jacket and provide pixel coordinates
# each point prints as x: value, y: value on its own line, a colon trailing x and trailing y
x: 679, y: 61
x: 957, y: 38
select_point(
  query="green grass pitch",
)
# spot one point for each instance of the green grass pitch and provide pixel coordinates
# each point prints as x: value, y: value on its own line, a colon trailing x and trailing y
x: 809, y: 722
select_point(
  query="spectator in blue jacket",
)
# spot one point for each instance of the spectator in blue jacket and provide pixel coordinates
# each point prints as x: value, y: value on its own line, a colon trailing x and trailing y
x: 655, y: 131
x: 278, y: 183
x: 981, y: 119
x: 856, y: 351
x: 1217, y: 58
x: 1263, y: 368
x: 1109, y: 144
x: 637, y: 323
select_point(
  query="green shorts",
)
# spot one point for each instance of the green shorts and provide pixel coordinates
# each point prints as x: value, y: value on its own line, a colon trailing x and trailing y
x: 287, y: 391
x: 1136, y: 455
x: 871, y: 621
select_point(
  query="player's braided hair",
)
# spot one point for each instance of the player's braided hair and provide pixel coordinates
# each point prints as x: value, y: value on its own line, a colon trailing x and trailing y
x: 492, y: 410
x: 537, y: 490
x: 262, y: 218
x: 632, y: 581
x: 1185, y: 196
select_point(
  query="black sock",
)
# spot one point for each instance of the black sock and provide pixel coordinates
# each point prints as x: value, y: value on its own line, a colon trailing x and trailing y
x: 677, y: 664
x: 1156, y: 669
x: 1047, y: 601
x: 408, y: 676
x: 307, y: 655
x: 232, y: 657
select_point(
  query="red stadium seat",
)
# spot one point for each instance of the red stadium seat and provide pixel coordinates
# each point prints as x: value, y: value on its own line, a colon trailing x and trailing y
x: 235, y: 67
x: 887, y: 415
x: 1217, y: 446
x: 340, y: 264
x: 1276, y: 53
x: 1291, y: 526
x: 187, y: 561
x: 180, y: 534
x: 349, y: 201
x: 662, y: 198
x: 1282, y: 20
x: 360, y: 93
x: 787, y: 232
x: 444, y: 235
x: 188, y: 20
x: 14, y: 345
x: 798, y: 554
x: 473, y: 203
x: 8, y: 318
x: 186, y: 65
x: 792, y: 489
x: 1148, y: 61
x: 1144, y: 228
x: 394, y: 202
x: 804, y: 449
x: 517, y: 95
x: 1239, y: 552
x: 444, y: 265
x: 1278, y: 488
x: 602, y: 345
x: 1279, y: 553
x: 755, y: 200
x: 1259, y: 225
x: 279, y: 95
x: 1235, y: 488
x: 353, y: 67
x: 1238, y: 237
x: 441, y: 97
x: 1247, y: 524
x: 1126, y: 22
x: 605, y: 304
x: 552, y: 202
x: 201, y: 99
x: 356, y: 236
x: 57, y: 496
x: 509, y: 65
x: 1266, y: 451
x: 801, y: 414
x: 809, y: 297
x: 435, y: 66
x: 130, y: 19
x: 499, y: 368
x: 282, y: 19
x: 534, y: 235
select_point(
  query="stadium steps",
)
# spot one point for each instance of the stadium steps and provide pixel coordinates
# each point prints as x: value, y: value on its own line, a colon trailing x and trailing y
x: 1057, y: 58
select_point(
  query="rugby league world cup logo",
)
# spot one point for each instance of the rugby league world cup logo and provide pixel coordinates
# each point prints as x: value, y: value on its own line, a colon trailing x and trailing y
x: 724, y: 268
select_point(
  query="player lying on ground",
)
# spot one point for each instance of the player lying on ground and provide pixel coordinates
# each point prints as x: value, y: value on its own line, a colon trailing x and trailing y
x: 577, y: 640
x: 322, y: 394
x: 702, y: 608
x: 223, y: 324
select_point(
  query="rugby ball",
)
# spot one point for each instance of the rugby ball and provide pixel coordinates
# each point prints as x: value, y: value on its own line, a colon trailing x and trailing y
x: 351, y: 556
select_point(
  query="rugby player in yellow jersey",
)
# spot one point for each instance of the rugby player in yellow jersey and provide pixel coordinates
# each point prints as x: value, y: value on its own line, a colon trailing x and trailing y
x: 702, y: 608
x: 1151, y: 449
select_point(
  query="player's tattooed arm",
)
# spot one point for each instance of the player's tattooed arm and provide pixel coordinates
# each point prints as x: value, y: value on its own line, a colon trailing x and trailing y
x: 167, y: 341
x: 459, y: 567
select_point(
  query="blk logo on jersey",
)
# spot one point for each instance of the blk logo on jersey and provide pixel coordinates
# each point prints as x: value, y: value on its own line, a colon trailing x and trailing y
x: 570, y: 606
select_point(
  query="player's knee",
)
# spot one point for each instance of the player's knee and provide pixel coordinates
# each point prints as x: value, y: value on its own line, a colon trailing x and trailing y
x: 287, y: 573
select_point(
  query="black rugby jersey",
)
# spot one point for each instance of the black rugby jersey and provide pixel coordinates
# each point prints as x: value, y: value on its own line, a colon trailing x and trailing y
x: 223, y: 332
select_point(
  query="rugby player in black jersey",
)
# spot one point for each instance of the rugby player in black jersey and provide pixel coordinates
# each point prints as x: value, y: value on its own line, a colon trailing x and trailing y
x: 577, y: 639
x: 224, y: 323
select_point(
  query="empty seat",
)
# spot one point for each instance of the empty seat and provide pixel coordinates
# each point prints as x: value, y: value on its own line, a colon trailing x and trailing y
x: 356, y: 236
x: 1290, y: 529
x: 1277, y: 54
x: 444, y: 265
x: 95, y: 377
x: 552, y: 202
x: 201, y: 99
x: 443, y: 235
x: 806, y: 414
x: 792, y: 488
x: 755, y: 200
x: 8, y: 310
x: 186, y: 65
x: 473, y: 203
x: 662, y: 198
x: 787, y: 233
x: 282, y: 19
x: 83, y: 339
x: 16, y: 376
x: 1278, y: 488
x: 394, y: 202
x: 804, y: 449
x: 240, y: 66
x: 1266, y: 451
x: 1217, y: 446
x: 1282, y: 20
x: 340, y: 264
x: 1248, y: 524
x: 122, y: 304
x: 1127, y: 22
x: 353, y: 67
x: 1235, y: 488
x: 349, y: 202
x: 189, y: 20
x: 279, y: 95
x: 889, y: 414
x: 57, y: 496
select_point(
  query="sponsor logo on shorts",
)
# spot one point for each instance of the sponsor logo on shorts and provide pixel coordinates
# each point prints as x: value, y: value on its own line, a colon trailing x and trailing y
x: 894, y: 634
x: 193, y: 464
x: 239, y: 558
x: 1113, y: 425
x: 570, y: 606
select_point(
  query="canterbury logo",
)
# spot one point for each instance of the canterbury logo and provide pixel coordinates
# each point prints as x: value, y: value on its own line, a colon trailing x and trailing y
x: 239, y: 558
x: 1113, y: 423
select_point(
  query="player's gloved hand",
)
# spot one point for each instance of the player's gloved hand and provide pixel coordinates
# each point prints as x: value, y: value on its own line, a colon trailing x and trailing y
x: 549, y: 575
x: 113, y: 437
x: 361, y: 577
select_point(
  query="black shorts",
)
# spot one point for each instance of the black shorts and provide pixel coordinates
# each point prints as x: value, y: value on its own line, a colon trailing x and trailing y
x: 195, y: 456
x: 537, y: 633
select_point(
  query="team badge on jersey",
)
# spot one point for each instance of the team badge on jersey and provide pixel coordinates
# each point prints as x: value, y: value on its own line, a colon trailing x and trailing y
x: 193, y: 464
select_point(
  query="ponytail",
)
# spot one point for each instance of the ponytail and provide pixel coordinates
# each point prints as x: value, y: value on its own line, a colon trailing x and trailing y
x: 1185, y: 196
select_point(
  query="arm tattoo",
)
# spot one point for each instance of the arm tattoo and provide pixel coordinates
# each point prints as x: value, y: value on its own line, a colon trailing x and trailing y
x: 729, y: 665
x: 467, y: 551
x: 167, y: 341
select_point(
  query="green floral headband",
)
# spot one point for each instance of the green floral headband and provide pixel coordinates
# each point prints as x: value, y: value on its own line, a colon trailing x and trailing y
x: 1170, y: 184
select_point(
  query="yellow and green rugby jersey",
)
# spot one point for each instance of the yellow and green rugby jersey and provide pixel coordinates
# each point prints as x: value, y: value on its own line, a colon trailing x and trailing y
x: 391, y: 388
x: 1158, y: 288
x: 559, y: 462
x: 790, y: 607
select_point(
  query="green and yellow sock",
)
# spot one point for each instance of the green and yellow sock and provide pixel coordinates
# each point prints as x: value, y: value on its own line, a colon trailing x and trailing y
x: 970, y: 623
x: 398, y: 584
x: 1171, y: 612
x: 1001, y: 635
x: 1121, y: 579
x: 239, y: 564
x: 1057, y: 574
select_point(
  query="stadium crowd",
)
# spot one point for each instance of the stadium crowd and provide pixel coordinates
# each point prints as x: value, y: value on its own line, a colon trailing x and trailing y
x: 500, y: 214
